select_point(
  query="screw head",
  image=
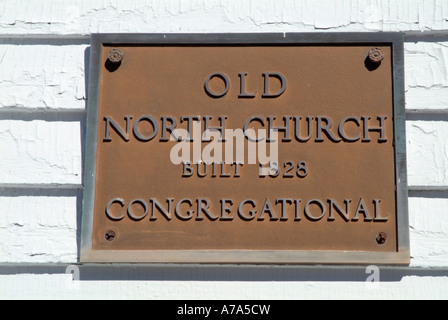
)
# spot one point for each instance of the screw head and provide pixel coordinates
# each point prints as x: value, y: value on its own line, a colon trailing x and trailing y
x: 381, y: 238
x: 115, y: 55
x: 109, y: 235
x: 376, y: 55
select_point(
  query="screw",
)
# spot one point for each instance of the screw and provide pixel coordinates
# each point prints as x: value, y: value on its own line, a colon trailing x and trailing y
x: 110, y: 235
x: 115, y: 55
x: 376, y: 55
x: 381, y: 238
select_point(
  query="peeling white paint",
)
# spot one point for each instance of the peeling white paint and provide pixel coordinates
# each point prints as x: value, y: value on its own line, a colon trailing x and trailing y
x: 427, y: 152
x: 38, y: 229
x: 86, y: 16
x: 426, y: 73
x: 428, y: 231
x: 42, y: 76
x: 39, y: 152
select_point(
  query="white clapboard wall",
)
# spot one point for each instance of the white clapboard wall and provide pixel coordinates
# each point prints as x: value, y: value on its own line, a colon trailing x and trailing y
x: 43, y: 68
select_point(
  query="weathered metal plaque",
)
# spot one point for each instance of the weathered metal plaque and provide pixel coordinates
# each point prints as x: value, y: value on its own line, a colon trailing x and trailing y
x: 246, y: 148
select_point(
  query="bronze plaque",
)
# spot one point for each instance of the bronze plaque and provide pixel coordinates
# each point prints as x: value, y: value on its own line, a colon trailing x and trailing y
x: 246, y: 149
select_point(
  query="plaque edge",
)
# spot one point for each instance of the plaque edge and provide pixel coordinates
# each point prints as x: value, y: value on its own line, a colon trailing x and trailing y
x: 401, y: 257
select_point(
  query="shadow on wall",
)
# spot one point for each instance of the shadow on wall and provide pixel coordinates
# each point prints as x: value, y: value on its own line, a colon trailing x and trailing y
x: 246, y: 273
